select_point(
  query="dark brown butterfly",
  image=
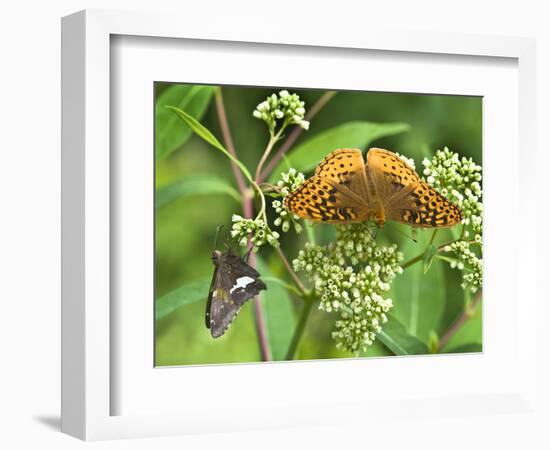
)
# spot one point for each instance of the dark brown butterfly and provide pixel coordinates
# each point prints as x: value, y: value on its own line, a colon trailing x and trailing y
x: 233, y: 283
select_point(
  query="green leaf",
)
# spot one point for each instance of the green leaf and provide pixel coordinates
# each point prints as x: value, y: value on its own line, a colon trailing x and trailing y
x: 419, y: 298
x: 194, y: 185
x: 358, y: 134
x: 394, y: 336
x: 454, y: 298
x: 191, y: 292
x: 279, y: 313
x: 433, y: 342
x: 284, y: 284
x: 471, y: 347
x: 205, y: 134
x: 470, y: 331
x: 431, y: 251
x: 169, y: 132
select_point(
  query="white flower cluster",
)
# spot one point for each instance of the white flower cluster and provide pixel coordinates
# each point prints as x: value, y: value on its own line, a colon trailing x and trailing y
x: 351, y: 276
x: 408, y: 161
x: 289, y: 181
x: 459, y: 179
x: 468, y: 262
x: 286, y: 107
x: 256, y: 229
x: 285, y: 218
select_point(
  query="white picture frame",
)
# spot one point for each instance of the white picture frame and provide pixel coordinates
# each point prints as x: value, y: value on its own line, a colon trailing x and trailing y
x: 90, y: 326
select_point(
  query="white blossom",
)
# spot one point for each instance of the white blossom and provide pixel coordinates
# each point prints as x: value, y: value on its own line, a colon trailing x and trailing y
x: 460, y: 178
x: 350, y: 276
x: 255, y: 229
x: 289, y: 181
x: 285, y: 107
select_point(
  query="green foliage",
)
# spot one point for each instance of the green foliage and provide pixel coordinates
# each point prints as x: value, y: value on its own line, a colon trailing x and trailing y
x: 472, y: 347
x: 469, y: 333
x: 394, y: 336
x: 433, y: 342
x: 454, y: 299
x: 194, y: 185
x: 169, y: 133
x: 205, y: 133
x: 429, y: 255
x: 188, y: 293
x: 355, y: 134
x: 419, y: 297
x: 279, y: 312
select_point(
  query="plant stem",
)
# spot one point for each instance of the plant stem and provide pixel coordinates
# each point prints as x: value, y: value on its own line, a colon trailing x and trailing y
x: 248, y: 211
x: 272, y: 141
x: 290, y: 271
x: 228, y: 140
x: 287, y: 286
x: 295, y: 134
x: 310, y: 233
x: 260, y: 319
x: 299, y: 331
x: 412, y: 261
x: 419, y: 257
x: 467, y: 314
x: 433, y: 237
x: 261, y: 213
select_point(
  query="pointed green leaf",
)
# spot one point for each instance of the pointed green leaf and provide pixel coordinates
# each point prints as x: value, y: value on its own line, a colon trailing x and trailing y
x: 170, y: 134
x: 191, y: 292
x: 358, y: 134
x: 198, y: 128
x: 194, y: 185
x: 394, y: 336
x: 419, y: 298
x: 279, y: 313
x: 205, y: 134
x: 431, y: 251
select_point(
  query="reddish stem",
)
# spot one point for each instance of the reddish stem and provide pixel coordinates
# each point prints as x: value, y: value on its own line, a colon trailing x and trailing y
x: 228, y: 140
x: 295, y: 134
x: 467, y: 314
x: 260, y: 319
x: 291, y: 271
x: 248, y: 210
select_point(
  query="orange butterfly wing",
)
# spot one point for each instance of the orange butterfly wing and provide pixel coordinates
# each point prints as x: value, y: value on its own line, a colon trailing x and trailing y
x: 337, y: 191
x: 404, y: 196
x: 344, y: 190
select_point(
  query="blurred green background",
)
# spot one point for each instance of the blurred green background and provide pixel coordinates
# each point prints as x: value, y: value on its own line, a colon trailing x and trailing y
x: 426, y: 304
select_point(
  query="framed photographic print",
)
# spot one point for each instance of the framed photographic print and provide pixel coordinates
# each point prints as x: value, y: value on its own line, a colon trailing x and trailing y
x: 355, y: 259
x: 263, y: 229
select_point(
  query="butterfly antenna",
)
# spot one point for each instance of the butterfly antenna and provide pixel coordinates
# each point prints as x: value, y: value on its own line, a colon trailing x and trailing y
x: 216, y: 238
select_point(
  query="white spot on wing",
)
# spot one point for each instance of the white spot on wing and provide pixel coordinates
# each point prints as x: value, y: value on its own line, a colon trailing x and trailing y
x: 241, y: 283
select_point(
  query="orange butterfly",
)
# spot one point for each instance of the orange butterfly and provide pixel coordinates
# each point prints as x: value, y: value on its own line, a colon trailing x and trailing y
x: 345, y: 190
